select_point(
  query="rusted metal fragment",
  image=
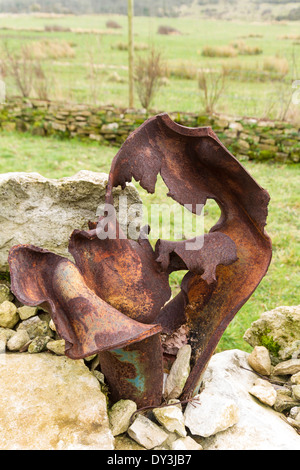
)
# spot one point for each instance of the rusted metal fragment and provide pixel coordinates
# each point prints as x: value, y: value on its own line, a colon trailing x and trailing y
x: 196, y: 166
x: 86, y: 322
x: 214, y: 249
x: 122, y: 272
x: 135, y: 371
x: 118, y: 287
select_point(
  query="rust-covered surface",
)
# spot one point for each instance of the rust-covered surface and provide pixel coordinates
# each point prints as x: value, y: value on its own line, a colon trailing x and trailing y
x: 115, y: 299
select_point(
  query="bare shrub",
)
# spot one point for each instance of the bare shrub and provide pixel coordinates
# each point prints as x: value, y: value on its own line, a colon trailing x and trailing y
x: 219, y: 51
x: 123, y: 46
x: 212, y: 85
x: 149, y: 71
x: 183, y: 69
x: 26, y: 72
x: 46, y: 49
x: 245, y: 49
x: 278, y: 66
x: 166, y: 30
x: 56, y: 28
x: 20, y: 67
x: 94, y: 76
x: 113, y: 24
x: 42, y: 82
x: 290, y: 36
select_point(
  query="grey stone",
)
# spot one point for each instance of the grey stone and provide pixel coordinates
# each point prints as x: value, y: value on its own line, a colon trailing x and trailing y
x: 57, y: 347
x: 290, y: 367
x: 35, y: 326
x: 5, y: 294
x: 186, y: 443
x: 296, y: 392
x: 26, y: 312
x: 9, y: 316
x: 260, y: 360
x: 6, y: 333
x: 38, y: 344
x: 295, y: 379
x: 44, y: 212
x: 120, y: 415
x: 264, y: 391
x: 171, y: 418
x: 278, y: 330
x: 295, y: 412
x: 211, y: 412
x: 179, y: 373
x: 18, y: 340
x: 284, y: 402
x: 146, y: 433
x: 51, y: 403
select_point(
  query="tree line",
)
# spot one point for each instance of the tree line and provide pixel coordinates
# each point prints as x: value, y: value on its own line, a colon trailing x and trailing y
x: 141, y: 7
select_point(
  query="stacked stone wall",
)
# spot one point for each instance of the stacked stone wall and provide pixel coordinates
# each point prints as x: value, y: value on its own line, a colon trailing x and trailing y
x: 247, y: 138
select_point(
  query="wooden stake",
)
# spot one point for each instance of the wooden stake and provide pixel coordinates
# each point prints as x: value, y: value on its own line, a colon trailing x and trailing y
x: 130, y: 53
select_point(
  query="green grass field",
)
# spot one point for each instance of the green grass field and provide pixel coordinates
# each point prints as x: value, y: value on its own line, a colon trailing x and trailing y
x: 70, y: 77
x: 54, y: 159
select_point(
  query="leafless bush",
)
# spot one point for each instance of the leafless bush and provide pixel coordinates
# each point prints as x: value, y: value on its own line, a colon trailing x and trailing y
x: 26, y: 72
x: 278, y: 66
x: 149, y: 71
x: 185, y: 70
x: 94, y: 74
x: 20, y: 67
x: 113, y: 25
x: 123, y: 46
x: 212, y: 85
x: 167, y: 30
x: 56, y: 28
x: 245, y: 49
x: 219, y: 51
x: 46, y: 49
x: 42, y: 82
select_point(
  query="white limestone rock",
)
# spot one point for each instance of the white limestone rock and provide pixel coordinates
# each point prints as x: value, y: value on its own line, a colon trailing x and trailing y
x: 179, y: 373
x: 44, y: 212
x: 260, y: 360
x: 51, y: 403
x: 120, y: 415
x: 264, y: 392
x: 171, y: 418
x: 186, y: 443
x: 259, y: 426
x: 146, y: 433
x: 212, y: 411
x: 18, y: 340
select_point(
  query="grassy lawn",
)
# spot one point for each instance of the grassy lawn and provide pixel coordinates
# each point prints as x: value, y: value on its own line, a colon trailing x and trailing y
x: 54, y: 159
x: 70, y: 77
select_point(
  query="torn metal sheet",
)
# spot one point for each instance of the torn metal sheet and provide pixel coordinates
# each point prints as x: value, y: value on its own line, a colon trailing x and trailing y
x: 115, y: 299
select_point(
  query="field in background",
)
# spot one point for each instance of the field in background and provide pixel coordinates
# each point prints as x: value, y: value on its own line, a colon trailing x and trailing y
x: 54, y: 159
x: 262, y: 60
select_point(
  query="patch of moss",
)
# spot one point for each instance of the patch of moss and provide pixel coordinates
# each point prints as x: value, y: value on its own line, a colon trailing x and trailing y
x: 269, y: 343
x: 5, y: 276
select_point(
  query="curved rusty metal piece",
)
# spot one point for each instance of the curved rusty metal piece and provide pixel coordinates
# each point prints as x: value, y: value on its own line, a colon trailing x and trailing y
x: 195, y: 166
x: 108, y: 301
x: 87, y: 323
x: 122, y: 272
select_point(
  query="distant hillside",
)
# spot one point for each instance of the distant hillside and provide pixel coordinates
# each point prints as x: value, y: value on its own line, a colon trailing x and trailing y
x: 218, y: 9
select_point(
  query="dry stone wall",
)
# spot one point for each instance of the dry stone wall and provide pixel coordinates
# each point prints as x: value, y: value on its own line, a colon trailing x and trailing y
x: 247, y: 138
